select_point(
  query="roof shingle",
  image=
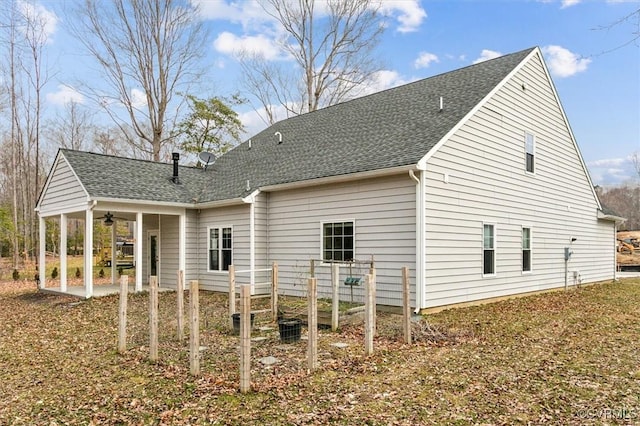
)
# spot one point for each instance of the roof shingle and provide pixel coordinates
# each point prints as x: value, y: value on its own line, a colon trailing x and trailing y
x: 392, y: 128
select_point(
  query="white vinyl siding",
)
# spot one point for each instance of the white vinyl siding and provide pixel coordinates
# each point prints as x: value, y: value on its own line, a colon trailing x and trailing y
x: 236, y: 217
x: 63, y: 191
x: 484, y: 163
x: 383, y: 210
x: 169, y: 250
x: 191, y: 252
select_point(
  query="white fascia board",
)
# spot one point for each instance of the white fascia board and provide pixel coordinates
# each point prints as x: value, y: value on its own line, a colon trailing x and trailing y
x: 219, y: 203
x: 75, y: 208
x: 143, y: 206
x: 340, y: 178
x: 422, y: 164
x: 59, y: 157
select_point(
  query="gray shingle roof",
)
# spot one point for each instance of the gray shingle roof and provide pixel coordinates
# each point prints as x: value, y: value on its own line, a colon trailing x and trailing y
x: 392, y: 128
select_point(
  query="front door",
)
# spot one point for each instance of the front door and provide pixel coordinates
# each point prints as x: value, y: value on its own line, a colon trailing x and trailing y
x: 154, y: 254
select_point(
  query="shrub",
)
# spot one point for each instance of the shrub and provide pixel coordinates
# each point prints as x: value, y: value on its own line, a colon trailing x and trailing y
x: 101, y: 273
x: 78, y: 273
x: 54, y: 273
x: 16, y: 275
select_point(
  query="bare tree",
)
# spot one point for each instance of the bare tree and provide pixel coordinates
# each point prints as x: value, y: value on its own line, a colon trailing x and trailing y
x: 333, y: 51
x: 147, y: 50
x: 24, y: 32
x: 71, y: 129
x: 635, y: 159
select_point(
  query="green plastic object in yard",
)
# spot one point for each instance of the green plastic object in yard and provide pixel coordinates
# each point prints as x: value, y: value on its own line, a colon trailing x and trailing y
x: 352, y: 281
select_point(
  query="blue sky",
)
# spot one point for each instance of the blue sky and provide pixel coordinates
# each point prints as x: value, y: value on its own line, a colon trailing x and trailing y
x: 597, y: 77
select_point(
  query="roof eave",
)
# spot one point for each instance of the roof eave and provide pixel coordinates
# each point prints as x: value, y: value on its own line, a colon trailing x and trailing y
x: 610, y: 217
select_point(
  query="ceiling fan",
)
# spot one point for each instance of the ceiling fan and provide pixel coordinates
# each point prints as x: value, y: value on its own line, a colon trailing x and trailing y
x: 109, y: 217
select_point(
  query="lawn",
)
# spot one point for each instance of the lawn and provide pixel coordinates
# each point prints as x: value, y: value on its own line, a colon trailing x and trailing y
x: 556, y: 358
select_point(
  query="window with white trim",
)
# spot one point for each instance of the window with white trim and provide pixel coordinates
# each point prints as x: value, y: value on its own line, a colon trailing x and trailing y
x: 220, y: 248
x: 488, y: 249
x: 529, y: 148
x: 338, y: 241
x: 526, y: 249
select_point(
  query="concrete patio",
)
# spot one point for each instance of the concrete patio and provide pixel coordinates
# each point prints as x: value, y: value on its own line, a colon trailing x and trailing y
x: 98, y: 290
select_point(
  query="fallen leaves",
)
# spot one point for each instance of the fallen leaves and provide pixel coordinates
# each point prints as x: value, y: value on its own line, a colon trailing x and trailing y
x: 538, y: 359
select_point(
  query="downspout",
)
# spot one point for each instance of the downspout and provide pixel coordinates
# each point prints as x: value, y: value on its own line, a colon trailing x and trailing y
x: 420, y: 238
x: 252, y: 243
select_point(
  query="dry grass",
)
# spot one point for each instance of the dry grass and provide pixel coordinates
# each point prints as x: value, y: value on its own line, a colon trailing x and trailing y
x: 558, y: 358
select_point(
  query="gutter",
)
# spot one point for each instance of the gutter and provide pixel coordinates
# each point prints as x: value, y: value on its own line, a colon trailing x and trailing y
x: 338, y: 179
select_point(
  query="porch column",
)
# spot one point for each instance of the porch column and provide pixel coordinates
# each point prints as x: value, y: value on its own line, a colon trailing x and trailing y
x: 114, y: 252
x: 88, y: 254
x: 42, y: 261
x: 63, y: 252
x: 138, y: 254
x: 182, y: 241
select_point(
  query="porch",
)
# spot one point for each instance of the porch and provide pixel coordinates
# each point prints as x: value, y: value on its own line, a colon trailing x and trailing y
x: 98, y: 291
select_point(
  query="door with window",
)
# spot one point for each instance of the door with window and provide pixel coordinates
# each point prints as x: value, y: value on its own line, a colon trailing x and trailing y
x: 154, y: 254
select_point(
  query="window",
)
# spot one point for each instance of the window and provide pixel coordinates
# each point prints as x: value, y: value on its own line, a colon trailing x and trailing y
x: 488, y: 250
x: 337, y: 241
x: 526, y: 249
x: 220, y: 249
x: 529, y: 148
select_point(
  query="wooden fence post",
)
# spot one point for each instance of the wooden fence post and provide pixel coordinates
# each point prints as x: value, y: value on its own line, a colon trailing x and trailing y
x: 245, y: 338
x: 335, y: 296
x: 274, y: 291
x: 406, y: 305
x: 232, y: 294
x: 122, y: 317
x: 312, y: 268
x: 194, y: 322
x: 153, y: 318
x: 180, y: 302
x: 369, y: 307
x: 312, y: 321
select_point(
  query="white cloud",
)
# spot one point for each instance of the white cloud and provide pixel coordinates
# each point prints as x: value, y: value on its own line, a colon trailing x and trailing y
x: 569, y: 3
x: 138, y: 98
x: 64, y: 95
x: 231, y: 44
x: 608, y: 162
x: 425, y: 59
x: 487, y: 54
x: 410, y: 13
x: 248, y: 13
x: 564, y: 63
x: 44, y: 21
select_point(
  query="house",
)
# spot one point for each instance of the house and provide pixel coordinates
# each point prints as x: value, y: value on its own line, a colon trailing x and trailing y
x: 472, y: 179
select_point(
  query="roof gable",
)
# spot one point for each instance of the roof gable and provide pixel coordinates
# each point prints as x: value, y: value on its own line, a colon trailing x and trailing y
x: 109, y: 177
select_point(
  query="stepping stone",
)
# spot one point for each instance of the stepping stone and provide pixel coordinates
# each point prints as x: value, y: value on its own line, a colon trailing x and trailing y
x: 340, y: 345
x: 269, y: 360
x: 203, y: 348
x: 258, y: 339
x: 265, y: 328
